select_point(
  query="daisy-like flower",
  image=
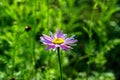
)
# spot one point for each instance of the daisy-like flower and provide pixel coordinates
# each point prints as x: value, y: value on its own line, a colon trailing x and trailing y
x: 58, y: 40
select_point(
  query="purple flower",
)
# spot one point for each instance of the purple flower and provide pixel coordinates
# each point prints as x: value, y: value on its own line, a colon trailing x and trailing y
x: 58, y: 40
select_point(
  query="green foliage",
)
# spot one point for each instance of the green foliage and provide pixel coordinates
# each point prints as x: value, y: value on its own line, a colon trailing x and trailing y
x: 95, y: 23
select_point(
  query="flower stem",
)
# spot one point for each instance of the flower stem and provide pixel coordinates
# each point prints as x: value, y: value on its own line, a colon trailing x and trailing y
x: 58, y: 49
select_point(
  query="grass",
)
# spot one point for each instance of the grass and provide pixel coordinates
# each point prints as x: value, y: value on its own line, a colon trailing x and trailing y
x: 95, y: 23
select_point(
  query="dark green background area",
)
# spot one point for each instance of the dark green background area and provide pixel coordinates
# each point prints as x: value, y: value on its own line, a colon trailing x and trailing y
x: 95, y: 24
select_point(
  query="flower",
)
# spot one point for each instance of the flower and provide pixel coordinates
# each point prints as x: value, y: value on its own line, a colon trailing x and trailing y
x: 58, y: 40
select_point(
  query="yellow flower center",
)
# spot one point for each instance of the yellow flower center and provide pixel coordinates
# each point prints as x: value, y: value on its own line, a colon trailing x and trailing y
x: 58, y: 41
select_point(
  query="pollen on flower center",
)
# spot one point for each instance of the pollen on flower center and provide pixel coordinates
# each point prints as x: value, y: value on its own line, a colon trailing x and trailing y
x: 58, y: 41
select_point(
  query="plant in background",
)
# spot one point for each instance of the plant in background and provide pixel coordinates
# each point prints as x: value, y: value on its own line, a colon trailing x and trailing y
x: 98, y: 31
x: 57, y: 41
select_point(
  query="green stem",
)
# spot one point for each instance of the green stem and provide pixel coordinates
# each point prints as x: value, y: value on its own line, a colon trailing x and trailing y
x: 14, y: 54
x: 13, y: 63
x: 58, y: 49
x: 33, y: 45
x: 90, y: 41
x: 33, y: 53
x: 88, y: 71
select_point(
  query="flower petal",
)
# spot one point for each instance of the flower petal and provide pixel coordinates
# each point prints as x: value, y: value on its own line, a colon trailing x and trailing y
x: 47, y: 37
x: 56, y: 46
x: 65, y: 47
x: 70, y: 41
x: 52, y: 35
x: 45, y: 41
x: 50, y: 46
x: 64, y: 36
x: 59, y: 34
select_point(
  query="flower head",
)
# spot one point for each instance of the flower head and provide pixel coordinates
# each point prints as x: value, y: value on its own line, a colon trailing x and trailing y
x: 58, y: 40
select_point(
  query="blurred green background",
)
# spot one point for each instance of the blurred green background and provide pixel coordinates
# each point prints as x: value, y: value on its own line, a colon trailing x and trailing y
x: 95, y: 23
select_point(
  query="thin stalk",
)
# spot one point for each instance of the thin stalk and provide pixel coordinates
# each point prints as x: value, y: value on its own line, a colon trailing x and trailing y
x: 90, y: 40
x: 33, y: 51
x: 88, y: 71
x: 33, y: 41
x: 13, y: 62
x: 14, y: 53
x: 58, y: 50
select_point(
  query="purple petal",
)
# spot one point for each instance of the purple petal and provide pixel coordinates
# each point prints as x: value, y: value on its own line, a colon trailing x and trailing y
x: 70, y: 40
x: 67, y: 41
x: 52, y: 36
x: 70, y: 43
x: 72, y: 37
x: 56, y: 46
x: 65, y: 47
x: 64, y: 36
x: 47, y: 37
x: 59, y: 34
x: 45, y: 41
x: 50, y: 46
